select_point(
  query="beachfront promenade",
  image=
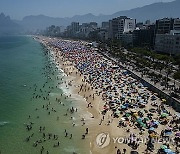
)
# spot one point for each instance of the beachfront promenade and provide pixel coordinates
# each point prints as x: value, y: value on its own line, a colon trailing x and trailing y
x: 157, y: 88
x: 128, y: 108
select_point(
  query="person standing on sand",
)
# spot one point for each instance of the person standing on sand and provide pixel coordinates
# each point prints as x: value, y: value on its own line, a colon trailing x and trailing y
x: 118, y: 151
x: 87, y: 131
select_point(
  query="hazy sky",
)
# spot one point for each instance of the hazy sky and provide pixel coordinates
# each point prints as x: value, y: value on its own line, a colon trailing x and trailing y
x: 17, y: 9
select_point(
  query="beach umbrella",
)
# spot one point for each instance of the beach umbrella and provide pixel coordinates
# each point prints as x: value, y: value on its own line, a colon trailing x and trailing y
x: 146, y: 119
x: 127, y: 114
x: 152, y: 128
x: 126, y: 104
x: 153, y: 135
x: 169, y: 151
x: 168, y: 133
x: 123, y: 107
x: 123, y: 119
x: 163, y: 147
x: 117, y: 112
x: 178, y: 114
x: 163, y: 100
x: 133, y: 110
x: 168, y: 128
x: 156, y: 122
x: 139, y: 119
x: 135, y: 114
x: 178, y: 134
x: 164, y: 115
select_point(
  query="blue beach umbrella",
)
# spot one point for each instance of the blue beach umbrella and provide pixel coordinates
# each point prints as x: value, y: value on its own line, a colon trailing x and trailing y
x: 152, y: 128
x: 168, y: 133
x: 169, y: 151
x: 156, y: 122
x: 123, y: 107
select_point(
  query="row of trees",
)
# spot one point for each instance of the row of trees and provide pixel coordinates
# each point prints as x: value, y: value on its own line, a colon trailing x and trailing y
x: 158, y: 67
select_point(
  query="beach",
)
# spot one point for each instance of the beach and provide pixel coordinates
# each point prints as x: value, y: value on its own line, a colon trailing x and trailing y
x: 118, y: 105
x: 62, y: 96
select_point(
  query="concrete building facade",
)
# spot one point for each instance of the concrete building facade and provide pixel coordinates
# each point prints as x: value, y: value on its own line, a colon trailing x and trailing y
x: 165, y: 25
x: 121, y: 25
x: 168, y: 43
x: 75, y: 27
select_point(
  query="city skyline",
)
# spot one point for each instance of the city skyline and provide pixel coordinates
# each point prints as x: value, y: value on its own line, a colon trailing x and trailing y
x: 69, y: 8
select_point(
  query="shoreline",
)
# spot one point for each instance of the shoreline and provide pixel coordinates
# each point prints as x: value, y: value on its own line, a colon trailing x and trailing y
x: 93, y: 121
x: 95, y: 128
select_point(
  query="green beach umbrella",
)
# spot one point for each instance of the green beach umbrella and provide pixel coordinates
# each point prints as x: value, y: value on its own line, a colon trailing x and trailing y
x: 117, y: 112
x: 163, y: 147
x: 146, y: 119
x: 127, y: 114
x: 164, y: 115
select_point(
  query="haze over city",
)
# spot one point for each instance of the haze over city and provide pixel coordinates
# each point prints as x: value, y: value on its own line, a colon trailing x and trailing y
x: 17, y: 9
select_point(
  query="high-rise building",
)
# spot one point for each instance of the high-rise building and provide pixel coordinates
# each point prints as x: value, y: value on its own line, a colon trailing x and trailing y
x: 105, y: 25
x: 120, y: 25
x: 144, y: 37
x: 93, y: 25
x: 147, y: 22
x: 176, y: 25
x: 75, y: 27
x: 113, y: 28
x: 165, y: 25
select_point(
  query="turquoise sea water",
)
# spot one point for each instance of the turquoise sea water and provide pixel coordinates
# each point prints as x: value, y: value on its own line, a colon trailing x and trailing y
x: 23, y: 69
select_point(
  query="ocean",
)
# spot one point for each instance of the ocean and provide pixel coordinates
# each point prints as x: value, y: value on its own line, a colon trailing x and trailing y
x: 28, y: 92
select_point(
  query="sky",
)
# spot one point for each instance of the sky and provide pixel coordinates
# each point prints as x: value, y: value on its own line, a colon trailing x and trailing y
x: 17, y: 9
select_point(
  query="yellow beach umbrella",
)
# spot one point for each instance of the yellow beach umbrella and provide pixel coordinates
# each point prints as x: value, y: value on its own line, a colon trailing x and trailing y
x: 163, y: 100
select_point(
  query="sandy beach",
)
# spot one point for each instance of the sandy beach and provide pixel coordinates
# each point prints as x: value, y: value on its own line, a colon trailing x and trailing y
x: 118, y: 106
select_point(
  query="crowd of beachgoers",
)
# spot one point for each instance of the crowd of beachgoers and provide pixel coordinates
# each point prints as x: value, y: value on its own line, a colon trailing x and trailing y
x: 43, y: 93
x: 137, y: 110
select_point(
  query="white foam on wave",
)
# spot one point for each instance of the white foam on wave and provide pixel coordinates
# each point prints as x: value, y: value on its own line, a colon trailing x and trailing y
x: 66, y: 91
x: 77, y: 97
x: 2, y: 123
x: 60, y: 70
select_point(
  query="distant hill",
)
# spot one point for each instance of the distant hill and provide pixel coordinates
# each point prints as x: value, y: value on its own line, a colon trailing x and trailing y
x: 148, y: 12
x: 153, y: 11
x: 32, y: 23
x: 7, y: 26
